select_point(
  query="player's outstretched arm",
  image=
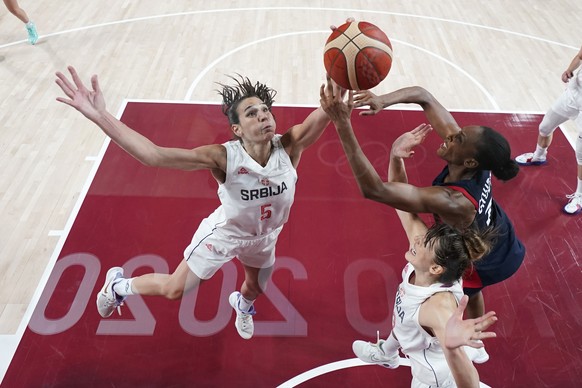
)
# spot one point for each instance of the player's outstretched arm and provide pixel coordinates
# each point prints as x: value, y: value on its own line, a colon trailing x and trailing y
x: 303, y: 135
x: 433, y: 314
x: 440, y: 118
x: 91, y: 103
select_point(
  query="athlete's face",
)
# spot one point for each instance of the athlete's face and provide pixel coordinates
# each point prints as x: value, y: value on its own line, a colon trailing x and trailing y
x: 419, y: 255
x: 256, y: 122
x: 462, y: 146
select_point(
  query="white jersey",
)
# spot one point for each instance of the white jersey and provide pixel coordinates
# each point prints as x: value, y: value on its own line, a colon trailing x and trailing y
x: 427, y: 359
x: 255, y: 200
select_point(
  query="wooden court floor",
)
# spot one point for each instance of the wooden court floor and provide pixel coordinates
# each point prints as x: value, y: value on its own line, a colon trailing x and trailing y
x: 474, y: 56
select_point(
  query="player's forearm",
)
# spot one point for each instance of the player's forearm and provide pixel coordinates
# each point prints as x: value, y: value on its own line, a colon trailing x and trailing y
x: 463, y: 370
x: 131, y: 141
x: 366, y: 176
x: 313, y: 127
x: 397, y: 170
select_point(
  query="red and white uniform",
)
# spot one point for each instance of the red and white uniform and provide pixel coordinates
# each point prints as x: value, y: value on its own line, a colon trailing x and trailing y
x: 427, y: 360
x: 255, y: 204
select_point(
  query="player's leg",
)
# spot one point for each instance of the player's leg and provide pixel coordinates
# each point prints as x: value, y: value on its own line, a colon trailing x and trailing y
x: 549, y: 123
x: 255, y: 284
x: 14, y: 8
x: 170, y: 286
x: 476, y: 306
x: 117, y: 288
x: 574, y: 205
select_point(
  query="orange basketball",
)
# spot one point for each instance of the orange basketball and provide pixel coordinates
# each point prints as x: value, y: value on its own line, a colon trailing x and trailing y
x: 357, y: 55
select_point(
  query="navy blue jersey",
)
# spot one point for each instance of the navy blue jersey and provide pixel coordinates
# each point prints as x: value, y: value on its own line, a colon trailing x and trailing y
x: 508, y: 252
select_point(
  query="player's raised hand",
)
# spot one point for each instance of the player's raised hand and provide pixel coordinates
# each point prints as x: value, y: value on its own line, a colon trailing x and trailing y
x: 404, y: 144
x: 348, y: 20
x: 468, y: 332
x: 89, y: 102
x: 332, y: 101
x: 367, y: 98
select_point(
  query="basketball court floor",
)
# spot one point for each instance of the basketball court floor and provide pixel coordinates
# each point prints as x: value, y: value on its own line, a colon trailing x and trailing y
x: 339, y: 257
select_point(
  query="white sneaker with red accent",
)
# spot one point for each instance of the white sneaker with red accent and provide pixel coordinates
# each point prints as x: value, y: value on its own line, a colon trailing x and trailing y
x: 574, y: 206
x: 528, y: 159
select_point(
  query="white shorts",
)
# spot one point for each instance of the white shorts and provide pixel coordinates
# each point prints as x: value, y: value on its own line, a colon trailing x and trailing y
x: 569, y: 104
x: 210, y: 250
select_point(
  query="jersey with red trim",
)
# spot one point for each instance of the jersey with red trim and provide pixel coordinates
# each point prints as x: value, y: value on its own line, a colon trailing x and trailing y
x: 507, y: 249
x: 256, y: 200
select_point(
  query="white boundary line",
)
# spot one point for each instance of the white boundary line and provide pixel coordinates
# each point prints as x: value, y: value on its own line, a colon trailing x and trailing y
x: 332, y: 367
x: 9, y: 343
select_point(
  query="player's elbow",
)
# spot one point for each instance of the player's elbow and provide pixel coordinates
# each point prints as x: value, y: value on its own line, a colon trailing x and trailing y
x: 373, y: 192
x: 152, y: 157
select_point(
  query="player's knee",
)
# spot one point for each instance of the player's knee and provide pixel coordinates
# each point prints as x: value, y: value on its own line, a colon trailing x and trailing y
x: 171, y: 292
x: 546, y: 128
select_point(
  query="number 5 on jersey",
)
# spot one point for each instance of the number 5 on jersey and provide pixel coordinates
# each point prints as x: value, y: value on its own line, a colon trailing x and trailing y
x: 265, y: 212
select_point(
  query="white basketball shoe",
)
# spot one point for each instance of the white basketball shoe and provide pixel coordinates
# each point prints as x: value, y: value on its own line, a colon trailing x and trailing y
x: 244, y: 319
x: 107, y: 299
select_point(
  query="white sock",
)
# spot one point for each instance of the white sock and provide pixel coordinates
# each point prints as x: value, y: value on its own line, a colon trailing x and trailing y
x: 579, y: 188
x: 540, y: 151
x: 390, y: 345
x: 123, y: 287
x: 244, y: 304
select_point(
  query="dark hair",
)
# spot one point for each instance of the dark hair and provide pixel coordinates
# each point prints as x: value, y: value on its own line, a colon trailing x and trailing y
x: 494, y: 153
x: 455, y: 250
x: 244, y: 88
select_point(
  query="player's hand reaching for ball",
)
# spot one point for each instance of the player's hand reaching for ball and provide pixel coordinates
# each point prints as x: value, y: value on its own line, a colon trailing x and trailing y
x: 89, y: 102
x: 367, y: 98
x: 332, y: 101
x: 348, y: 20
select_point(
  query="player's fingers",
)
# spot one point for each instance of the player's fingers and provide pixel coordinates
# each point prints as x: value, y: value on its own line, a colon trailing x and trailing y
x: 95, y: 84
x: 76, y: 78
x: 418, y: 129
x: 350, y: 98
x: 486, y: 334
x: 329, y: 86
x: 322, y: 92
x: 65, y: 101
x: 63, y: 82
x: 484, y: 324
x: 65, y: 88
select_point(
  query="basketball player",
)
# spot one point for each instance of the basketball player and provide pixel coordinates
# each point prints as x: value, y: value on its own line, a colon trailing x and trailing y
x: 256, y: 175
x: 460, y: 196
x: 429, y: 293
x: 567, y: 106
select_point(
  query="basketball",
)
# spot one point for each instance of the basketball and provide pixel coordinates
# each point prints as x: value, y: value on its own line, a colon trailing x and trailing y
x: 357, y: 55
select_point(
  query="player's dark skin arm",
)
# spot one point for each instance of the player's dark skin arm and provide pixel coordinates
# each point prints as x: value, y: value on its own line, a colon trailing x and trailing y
x: 438, y: 117
x: 402, y: 196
